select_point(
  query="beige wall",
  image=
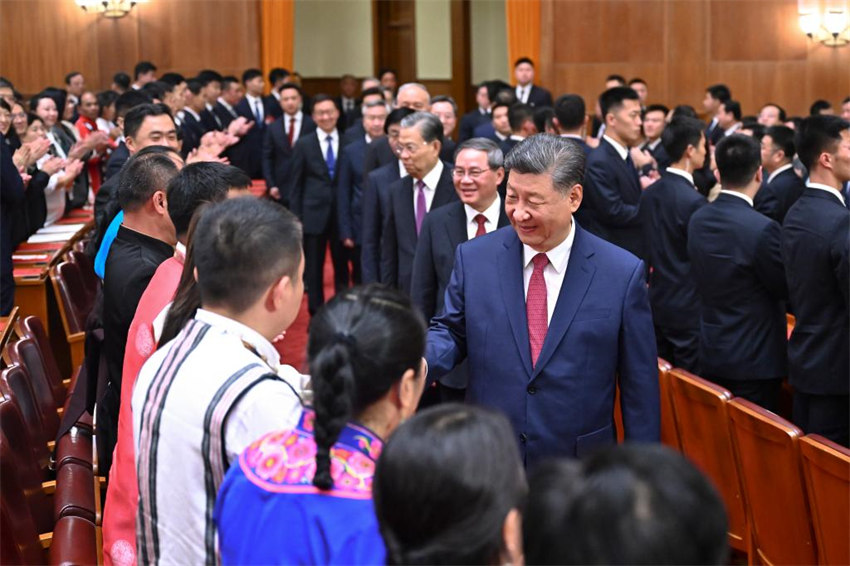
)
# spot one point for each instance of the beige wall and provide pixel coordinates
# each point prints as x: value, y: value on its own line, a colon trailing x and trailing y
x: 333, y: 37
x: 433, y: 39
x: 489, y: 43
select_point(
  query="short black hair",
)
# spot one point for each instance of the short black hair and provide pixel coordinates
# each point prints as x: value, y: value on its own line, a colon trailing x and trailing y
x: 719, y: 92
x: 738, y: 157
x: 445, y: 98
x: 173, y: 79
x: 519, y: 114
x: 656, y: 108
x: 241, y: 247
x: 612, y: 99
x: 156, y: 89
x: 684, y: 110
x: 637, y: 80
x: 143, y: 67
x: 544, y: 118
x: 818, y: 106
x: 630, y: 504
x: 286, y: 86
x: 194, y: 85
x: 276, y: 74
x: 136, y: 116
x: 679, y: 134
x: 208, y: 76
x: 782, y: 117
x: 619, y: 78
x: 322, y: 97
x: 570, y: 111
x: 199, y: 183
x: 121, y: 79
x: 817, y: 135
x: 384, y: 70
x: 522, y: 60
x: 783, y: 138
x: 106, y: 98
x: 395, y: 117
x: 372, y: 91
x: 846, y: 100
x: 142, y: 175
x: 228, y: 80
x: 734, y: 107
x: 70, y: 76
x: 129, y: 100
x: 250, y: 74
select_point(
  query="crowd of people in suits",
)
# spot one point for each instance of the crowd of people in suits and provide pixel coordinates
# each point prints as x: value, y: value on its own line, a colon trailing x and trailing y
x: 498, y: 276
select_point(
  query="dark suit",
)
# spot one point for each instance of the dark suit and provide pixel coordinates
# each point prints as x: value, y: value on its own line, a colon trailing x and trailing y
x: 611, y: 204
x: 666, y: 208
x: 815, y: 250
x: 354, y: 133
x: 399, y: 239
x: 776, y: 197
x: 224, y: 115
x: 192, y: 131
x: 273, y: 105
x: 378, y: 154
x: 486, y: 130
x: 736, y: 261
x: 507, y: 145
x: 247, y: 154
x: 662, y: 160
x: 350, y: 200
x: 443, y: 230
x: 11, y: 194
x: 376, y: 205
x: 538, y: 96
x: 580, y: 141
x: 116, y: 161
x: 210, y: 121
x: 347, y: 119
x: 469, y: 122
x: 277, y: 155
x: 600, y: 335
x: 312, y: 199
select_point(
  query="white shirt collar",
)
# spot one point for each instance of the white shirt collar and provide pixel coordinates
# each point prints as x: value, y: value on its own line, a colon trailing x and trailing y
x: 739, y: 195
x: 298, y: 115
x: 734, y: 128
x: 778, y: 171
x: 681, y: 173
x: 194, y: 114
x: 263, y: 347
x: 653, y: 144
x: 209, y: 106
x: 433, y: 176
x: 368, y: 138
x: 225, y: 104
x: 558, y: 256
x: 827, y: 188
x: 323, y: 135
x: 402, y: 172
x: 491, y: 213
x: 621, y: 150
x: 276, y: 94
x: 516, y: 137
x: 573, y: 136
x: 500, y: 136
x: 251, y: 98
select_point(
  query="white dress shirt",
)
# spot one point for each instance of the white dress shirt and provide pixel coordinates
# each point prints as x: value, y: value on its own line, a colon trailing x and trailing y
x: 734, y: 128
x: 491, y: 213
x: 682, y: 173
x: 430, y: 180
x: 287, y: 120
x: 194, y: 114
x: 323, y: 143
x: 622, y: 151
x: 402, y: 172
x: 827, y: 188
x: 553, y: 273
x: 778, y: 171
x: 522, y: 93
x: 254, y: 103
x: 228, y: 107
x: 739, y: 195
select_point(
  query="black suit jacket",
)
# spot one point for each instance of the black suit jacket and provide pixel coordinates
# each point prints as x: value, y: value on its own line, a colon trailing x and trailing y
x: 611, y: 204
x: 247, y: 154
x: 378, y: 154
x: 116, y: 161
x: 398, y: 243
x: 666, y: 208
x: 11, y: 195
x: 272, y: 104
x: 350, y: 191
x: 507, y: 145
x: 347, y: 119
x: 277, y: 155
x: 192, y: 130
x: 376, y: 204
x: 210, y: 121
x: 469, y: 122
x: 775, y: 198
x: 486, y: 130
x: 815, y: 246
x: 539, y: 96
x: 224, y: 115
x: 737, y: 262
x: 355, y: 132
x: 313, y: 191
x: 580, y: 141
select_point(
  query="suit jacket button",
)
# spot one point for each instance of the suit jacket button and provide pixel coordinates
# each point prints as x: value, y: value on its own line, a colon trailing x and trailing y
x: 531, y: 390
x: 523, y: 438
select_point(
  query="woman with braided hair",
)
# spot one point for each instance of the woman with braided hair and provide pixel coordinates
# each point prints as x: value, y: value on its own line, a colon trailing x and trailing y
x: 304, y: 496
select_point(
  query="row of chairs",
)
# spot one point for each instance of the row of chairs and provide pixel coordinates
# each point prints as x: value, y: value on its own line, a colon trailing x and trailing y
x: 787, y: 495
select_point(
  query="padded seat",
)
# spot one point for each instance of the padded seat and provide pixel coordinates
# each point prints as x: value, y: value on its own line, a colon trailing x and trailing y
x: 74, y: 493
x: 15, y: 386
x: 826, y: 467
x: 25, y: 352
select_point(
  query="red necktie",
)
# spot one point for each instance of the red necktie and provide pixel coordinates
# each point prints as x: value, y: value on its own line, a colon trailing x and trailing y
x: 481, y: 219
x: 536, y: 307
x: 291, y: 130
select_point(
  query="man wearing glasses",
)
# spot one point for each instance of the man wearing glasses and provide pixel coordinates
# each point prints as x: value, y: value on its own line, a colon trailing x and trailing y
x: 427, y: 186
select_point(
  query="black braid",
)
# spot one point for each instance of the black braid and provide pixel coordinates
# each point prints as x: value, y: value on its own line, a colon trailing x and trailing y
x: 333, y: 381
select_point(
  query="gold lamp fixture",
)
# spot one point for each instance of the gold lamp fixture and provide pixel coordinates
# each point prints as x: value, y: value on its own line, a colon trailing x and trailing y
x: 826, y: 22
x: 108, y: 8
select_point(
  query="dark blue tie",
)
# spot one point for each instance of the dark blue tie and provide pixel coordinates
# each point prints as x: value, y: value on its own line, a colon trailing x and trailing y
x: 632, y: 171
x: 329, y: 156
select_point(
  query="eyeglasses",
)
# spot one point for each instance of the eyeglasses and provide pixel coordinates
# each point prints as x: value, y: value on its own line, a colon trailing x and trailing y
x: 410, y: 148
x: 458, y: 173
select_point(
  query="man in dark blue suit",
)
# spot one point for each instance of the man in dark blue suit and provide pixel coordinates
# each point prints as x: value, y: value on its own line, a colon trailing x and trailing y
x: 571, y: 119
x: 526, y: 91
x: 280, y: 139
x: 427, y: 187
x: 498, y: 128
x: 521, y: 120
x: 247, y: 154
x: 474, y: 118
x: 612, y: 192
x: 350, y: 185
x: 191, y: 128
x: 737, y: 264
x: 815, y: 245
x: 782, y: 186
x: 477, y: 174
x: 549, y: 317
x: 666, y: 207
x: 376, y: 199
x: 654, y: 121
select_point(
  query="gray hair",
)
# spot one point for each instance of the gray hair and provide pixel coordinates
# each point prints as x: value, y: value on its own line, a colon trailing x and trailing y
x: 541, y: 154
x: 430, y: 127
x: 373, y: 104
x: 420, y: 86
x: 495, y: 157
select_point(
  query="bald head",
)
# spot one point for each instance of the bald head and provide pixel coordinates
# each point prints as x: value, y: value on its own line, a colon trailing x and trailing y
x: 414, y: 96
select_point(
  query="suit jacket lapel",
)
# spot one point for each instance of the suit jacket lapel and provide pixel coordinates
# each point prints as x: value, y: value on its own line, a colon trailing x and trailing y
x: 456, y: 227
x: 577, y: 279
x: 406, y: 221
x: 503, y: 218
x: 445, y: 190
x: 628, y: 170
x: 513, y: 294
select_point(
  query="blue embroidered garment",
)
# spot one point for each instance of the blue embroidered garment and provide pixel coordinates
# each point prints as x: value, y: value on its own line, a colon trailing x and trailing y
x: 269, y: 512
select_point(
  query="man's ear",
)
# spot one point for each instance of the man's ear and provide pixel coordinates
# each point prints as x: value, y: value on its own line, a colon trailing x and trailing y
x: 160, y: 202
x: 279, y: 293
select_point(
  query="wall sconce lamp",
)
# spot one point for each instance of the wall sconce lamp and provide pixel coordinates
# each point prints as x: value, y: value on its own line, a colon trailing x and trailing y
x: 108, y: 8
x: 830, y: 27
